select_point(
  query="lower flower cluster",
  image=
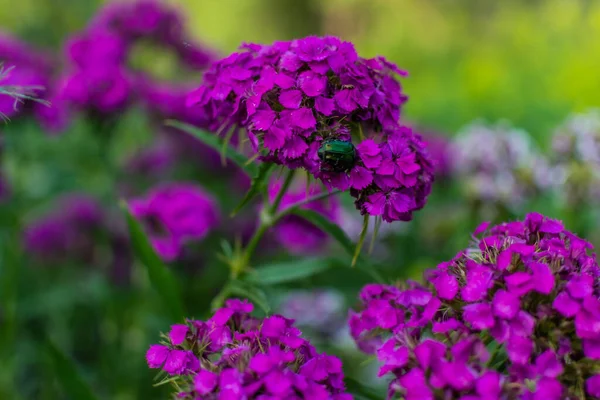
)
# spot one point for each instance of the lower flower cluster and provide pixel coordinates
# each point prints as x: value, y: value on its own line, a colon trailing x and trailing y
x: 516, y: 316
x: 236, y: 356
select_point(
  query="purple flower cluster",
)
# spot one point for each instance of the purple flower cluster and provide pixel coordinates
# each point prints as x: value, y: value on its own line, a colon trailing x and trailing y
x: 173, y: 214
x: 100, y: 78
x: 25, y: 70
x: 576, y: 146
x: 236, y: 356
x: 296, y: 234
x: 498, y: 164
x: 515, y: 316
x: 291, y: 97
x: 67, y: 231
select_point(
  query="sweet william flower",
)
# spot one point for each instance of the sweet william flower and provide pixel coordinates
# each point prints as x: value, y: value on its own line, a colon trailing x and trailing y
x: 175, y: 213
x: 528, y: 288
x: 257, y: 363
x: 292, y: 97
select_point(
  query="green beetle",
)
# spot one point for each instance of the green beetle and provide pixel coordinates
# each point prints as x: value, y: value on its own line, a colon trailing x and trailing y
x: 337, y: 155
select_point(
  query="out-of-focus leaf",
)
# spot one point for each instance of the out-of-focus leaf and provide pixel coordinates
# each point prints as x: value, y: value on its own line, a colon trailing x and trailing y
x: 361, y: 391
x: 342, y: 238
x: 328, y: 226
x: 214, y: 141
x: 250, y: 292
x: 258, y: 183
x: 67, y: 374
x: 161, y: 278
x: 287, y: 271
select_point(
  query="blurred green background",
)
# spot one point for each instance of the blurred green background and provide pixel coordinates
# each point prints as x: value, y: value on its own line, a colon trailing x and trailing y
x: 532, y: 62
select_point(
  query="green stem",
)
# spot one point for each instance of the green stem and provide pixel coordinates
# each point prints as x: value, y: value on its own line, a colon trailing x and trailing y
x: 310, y: 199
x: 286, y: 184
x: 268, y: 218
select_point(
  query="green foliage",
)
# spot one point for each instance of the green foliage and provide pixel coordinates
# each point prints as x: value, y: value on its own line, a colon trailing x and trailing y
x: 214, y: 141
x: 285, y: 272
x: 162, y: 279
x: 73, y: 384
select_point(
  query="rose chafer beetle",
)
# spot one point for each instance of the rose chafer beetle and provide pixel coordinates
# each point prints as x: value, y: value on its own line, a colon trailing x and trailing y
x: 337, y: 155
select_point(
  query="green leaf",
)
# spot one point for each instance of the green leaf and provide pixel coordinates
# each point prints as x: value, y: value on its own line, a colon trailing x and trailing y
x: 258, y: 183
x: 214, y: 141
x: 338, y: 234
x: 361, y: 239
x: 67, y: 374
x: 250, y: 292
x: 361, y: 391
x: 326, y: 225
x: 161, y: 278
x: 287, y: 271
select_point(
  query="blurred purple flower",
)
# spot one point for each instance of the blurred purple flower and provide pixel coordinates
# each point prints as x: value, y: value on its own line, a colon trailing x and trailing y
x: 66, y: 231
x: 576, y: 146
x: 173, y: 214
x: 498, y: 164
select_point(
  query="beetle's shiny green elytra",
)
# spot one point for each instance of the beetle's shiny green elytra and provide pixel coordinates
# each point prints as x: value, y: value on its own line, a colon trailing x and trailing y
x: 337, y: 155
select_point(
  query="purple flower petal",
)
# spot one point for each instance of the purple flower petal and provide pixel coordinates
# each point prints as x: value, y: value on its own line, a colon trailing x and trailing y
x: 506, y: 305
x: 564, y: 304
x: 290, y: 99
x: 263, y: 119
x: 479, y: 315
x: 312, y: 84
x: 205, y: 382
x: 519, y: 349
x: 303, y: 118
x: 178, y: 334
x: 157, y: 355
x: 324, y: 105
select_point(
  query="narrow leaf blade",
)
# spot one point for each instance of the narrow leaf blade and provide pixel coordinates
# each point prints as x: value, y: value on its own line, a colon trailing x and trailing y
x: 250, y: 292
x: 214, y: 141
x: 67, y: 374
x: 287, y: 271
x: 361, y: 391
x: 326, y: 225
x: 258, y: 182
x: 163, y: 281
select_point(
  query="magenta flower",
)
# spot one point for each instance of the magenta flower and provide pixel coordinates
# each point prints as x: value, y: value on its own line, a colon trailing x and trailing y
x: 174, y: 214
x: 100, y: 77
x: 291, y: 97
x: 529, y: 288
x: 65, y: 232
x: 235, y: 355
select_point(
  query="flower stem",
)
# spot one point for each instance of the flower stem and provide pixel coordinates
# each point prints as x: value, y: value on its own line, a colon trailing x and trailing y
x: 313, y: 198
x: 286, y: 184
x: 268, y: 218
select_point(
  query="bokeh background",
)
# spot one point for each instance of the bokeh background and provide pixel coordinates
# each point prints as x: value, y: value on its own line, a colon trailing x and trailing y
x: 532, y: 63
